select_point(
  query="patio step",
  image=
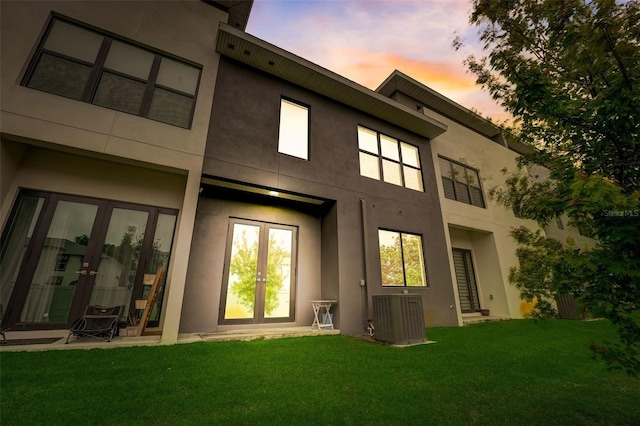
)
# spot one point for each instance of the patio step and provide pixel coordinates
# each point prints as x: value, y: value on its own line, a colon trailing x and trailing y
x: 264, y: 334
x: 478, y: 319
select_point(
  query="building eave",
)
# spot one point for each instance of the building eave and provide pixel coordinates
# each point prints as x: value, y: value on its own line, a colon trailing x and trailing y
x: 257, y: 53
x: 400, y: 82
x: 238, y: 11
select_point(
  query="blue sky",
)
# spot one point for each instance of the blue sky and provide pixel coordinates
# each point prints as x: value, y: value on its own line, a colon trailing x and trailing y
x: 365, y: 40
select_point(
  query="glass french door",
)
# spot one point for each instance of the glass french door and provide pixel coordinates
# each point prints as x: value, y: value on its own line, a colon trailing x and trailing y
x: 259, y: 278
x: 61, y: 253
x: 466, y: 280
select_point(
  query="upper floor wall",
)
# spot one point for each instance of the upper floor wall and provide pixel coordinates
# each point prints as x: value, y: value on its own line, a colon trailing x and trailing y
x: 249, y: 120
x: 183, y: 32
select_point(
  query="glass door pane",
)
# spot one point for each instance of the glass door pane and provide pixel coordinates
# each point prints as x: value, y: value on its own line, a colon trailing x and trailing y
x: 243, y: 272
x: 15, y: 245
x: 160, y: 253
x: 116, y: 274
x: 53, y: 285
x: 277, y: 302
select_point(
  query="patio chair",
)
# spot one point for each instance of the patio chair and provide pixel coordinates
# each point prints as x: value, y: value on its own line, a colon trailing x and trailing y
x: 97, y: 322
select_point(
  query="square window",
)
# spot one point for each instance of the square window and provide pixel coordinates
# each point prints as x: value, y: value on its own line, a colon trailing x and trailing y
x: 119, y: 93
x: 401, y: 259
x: 399, y: 161
x: 294, y: 130
x: 178, y: 76
x: 170, y: 107
x: 461, y: 183
x: 60, y: 77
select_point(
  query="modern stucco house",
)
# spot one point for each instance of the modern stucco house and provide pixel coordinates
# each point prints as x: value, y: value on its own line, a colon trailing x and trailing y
x: 144, y: 135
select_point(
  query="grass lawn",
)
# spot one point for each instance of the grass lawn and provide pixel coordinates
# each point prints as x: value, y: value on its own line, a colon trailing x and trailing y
x: 503, y: 373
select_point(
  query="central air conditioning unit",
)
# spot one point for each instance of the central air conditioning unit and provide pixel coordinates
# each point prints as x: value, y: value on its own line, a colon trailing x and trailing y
x: 399, y: 319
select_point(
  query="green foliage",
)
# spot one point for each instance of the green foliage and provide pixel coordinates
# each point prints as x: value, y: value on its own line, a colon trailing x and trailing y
x: 569, y: 72
x: 402, y: 261
x: 543, y: 272
x: 244, y: 265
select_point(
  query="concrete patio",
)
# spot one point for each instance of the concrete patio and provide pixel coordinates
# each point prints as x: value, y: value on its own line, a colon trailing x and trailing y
x: 32, y: 339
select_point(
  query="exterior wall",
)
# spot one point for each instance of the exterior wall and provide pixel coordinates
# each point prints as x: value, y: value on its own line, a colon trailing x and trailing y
x: 88, y: 141
x: 484, y: 231
x: 205, y: 277
x: 242, y: 146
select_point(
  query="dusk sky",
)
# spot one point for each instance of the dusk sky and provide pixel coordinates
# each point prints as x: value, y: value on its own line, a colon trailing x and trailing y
x: 365, y: 40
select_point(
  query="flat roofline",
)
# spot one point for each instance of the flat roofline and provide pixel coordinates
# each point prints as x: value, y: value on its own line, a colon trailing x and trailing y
x: 280, y: 63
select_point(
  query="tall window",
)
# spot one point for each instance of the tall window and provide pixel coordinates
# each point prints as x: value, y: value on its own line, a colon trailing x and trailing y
x: 386, y: 158
x: 401, y: 259
x: 89, y: 66
x: 461, y: 183
x: 293, y: 138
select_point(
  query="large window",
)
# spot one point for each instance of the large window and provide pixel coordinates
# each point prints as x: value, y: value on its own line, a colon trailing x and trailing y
x: 89, y: 66
x: 401, y: 259
x: 386, y: 158
x: 461, y: 183
x: 294, y: 129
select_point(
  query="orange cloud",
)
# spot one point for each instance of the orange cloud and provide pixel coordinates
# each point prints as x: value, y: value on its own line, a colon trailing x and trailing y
x: 370, y: 69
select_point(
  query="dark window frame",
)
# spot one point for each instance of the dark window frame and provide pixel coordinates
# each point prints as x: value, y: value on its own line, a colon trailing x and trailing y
x: 308, y: 108
x: 402, y: 253
x: 399, y: 162
x: 98, y: 69
x: 457, y: 186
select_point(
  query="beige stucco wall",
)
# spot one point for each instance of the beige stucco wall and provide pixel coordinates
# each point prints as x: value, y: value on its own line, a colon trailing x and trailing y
x: 484, y: 231
x: 72, y: 132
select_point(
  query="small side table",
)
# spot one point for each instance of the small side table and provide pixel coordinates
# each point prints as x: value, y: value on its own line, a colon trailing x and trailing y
x: 318, y: 305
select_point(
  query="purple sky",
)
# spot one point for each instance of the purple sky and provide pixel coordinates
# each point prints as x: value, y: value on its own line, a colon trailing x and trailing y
x: 365, y: 40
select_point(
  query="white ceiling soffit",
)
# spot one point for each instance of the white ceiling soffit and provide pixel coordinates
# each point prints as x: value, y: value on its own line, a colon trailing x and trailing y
x: 266, y: 57
x: 276, y: 193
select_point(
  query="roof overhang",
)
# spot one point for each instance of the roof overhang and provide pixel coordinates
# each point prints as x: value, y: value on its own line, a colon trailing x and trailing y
x: 238, y: 11
x: 270, y: 59
x: 400, y: 82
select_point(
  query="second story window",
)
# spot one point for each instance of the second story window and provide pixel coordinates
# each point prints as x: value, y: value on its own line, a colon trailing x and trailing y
x: 461, y: 183
x: 293, y: 137
x: 89, y: 66
x: 386, y: 158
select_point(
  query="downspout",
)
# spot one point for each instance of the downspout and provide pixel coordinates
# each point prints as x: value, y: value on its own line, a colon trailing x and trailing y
x: 367, y: 323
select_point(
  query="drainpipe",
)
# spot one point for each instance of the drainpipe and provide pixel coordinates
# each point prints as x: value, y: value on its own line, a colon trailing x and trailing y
x: 367, y: 324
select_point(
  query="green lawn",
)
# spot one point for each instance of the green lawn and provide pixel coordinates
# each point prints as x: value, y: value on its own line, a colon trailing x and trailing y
x: 510, y: 372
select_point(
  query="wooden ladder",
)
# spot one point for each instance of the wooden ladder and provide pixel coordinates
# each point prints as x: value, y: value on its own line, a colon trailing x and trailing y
x: 151, y: 301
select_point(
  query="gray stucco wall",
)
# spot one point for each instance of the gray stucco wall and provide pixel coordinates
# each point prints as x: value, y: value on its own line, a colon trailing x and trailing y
x: 242, y: 146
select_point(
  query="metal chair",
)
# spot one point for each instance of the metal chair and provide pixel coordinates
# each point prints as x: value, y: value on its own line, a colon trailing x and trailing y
x: 97, y: 322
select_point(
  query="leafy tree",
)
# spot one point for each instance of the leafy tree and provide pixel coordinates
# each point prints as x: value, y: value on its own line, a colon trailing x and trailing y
x: 569, y: 73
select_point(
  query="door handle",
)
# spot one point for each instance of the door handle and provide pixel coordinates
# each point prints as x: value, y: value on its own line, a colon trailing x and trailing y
x: 83, y: 272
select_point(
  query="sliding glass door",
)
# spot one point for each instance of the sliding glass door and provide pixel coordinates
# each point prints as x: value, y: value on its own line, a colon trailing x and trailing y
x: 62, y: 252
